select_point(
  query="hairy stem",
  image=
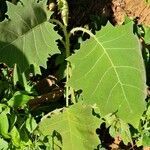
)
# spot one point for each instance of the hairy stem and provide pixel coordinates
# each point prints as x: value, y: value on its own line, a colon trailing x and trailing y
x: 81, y: 29
x: 69, y: 90
x: 68, y: 66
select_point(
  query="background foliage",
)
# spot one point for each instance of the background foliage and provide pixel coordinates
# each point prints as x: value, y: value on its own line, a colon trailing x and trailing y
x: 66, y: 86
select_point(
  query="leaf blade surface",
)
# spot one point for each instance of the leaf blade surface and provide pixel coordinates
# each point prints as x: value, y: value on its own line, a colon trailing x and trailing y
x: 109, y: 69
x: 75, y: 128
x: 28, y: 38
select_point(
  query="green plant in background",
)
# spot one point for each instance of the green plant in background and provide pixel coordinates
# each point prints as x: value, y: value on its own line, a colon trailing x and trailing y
x: 108, y: 69
x: 31, y: 30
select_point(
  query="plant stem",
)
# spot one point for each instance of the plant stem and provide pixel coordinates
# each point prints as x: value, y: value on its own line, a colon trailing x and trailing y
x: 67, y: 87
x: 67, y: 44
x: 69, y: 72
x: 83, y: 30
x: 67, y: 53
x: 68, y: 66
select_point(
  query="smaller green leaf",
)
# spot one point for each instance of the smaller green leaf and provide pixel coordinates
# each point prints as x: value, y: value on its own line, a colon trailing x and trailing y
x: 4, y: 125
x: 3, y: 144
x: 15, y: 137
x: 148, y: 113
x: 30, y: 38
x: 20, y: 78
x: 112, y: 131
x: 125, y: 133
x: 110, y: 119
x: 64, y: 9
x: 119, y: 127
x: 19, y: 99
x: 16, y: 75
x: 12, y: 120
x: 147, y: 35
x: 73, y: 129
x: 25, y: 137
x: 146, y: 139
x: 31, y: 124
x: 139, y: 142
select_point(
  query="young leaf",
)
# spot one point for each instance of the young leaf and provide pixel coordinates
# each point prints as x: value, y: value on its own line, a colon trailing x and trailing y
x: 146, y: 139
x: 27, y: 38
x: 125, y: 132
x: 109, y: 69
x: 4, y: 125
x: 19, y: 99
x: 64, y: 9
x: 20, y: 78
x: 15, y: 137
x: 31, y: 124
x: 75, y: 128
x: 3, y: 144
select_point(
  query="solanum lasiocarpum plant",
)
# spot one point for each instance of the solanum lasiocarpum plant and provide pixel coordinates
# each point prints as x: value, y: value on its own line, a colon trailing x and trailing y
x: 102, y: 82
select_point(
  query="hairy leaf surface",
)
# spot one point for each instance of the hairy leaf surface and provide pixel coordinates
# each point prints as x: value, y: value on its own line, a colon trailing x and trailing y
x: 109, y: 69
x: 73, y: 129
x: 27, y: 38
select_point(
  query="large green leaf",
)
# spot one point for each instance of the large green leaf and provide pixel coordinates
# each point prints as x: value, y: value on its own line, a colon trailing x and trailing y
x: 27, y: 38
x: 110, y: 71
x: 75, y: 128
